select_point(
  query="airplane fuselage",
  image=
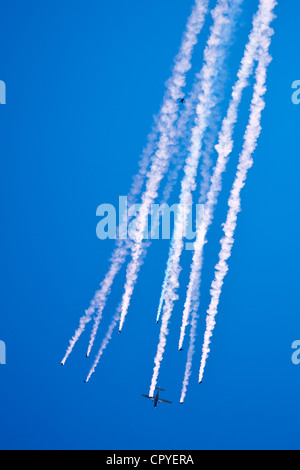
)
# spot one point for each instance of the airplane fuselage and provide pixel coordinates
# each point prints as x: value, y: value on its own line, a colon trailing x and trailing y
x: 156, y: 399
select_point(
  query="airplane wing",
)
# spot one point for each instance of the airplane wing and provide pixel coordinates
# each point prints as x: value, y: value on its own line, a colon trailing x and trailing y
x: 147, y: 396
x: 160, y: 400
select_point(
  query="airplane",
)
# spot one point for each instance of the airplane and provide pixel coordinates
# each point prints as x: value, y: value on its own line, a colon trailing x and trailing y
x: 156, y: 399
x: 181, y: 349
x: 120, y: 331
x: 182, y: 100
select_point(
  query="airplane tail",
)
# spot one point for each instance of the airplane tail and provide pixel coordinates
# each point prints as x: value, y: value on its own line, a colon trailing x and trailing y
x: 160, y: 389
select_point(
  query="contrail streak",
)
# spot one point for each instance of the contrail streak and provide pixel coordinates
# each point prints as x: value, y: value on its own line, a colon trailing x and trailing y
x: 161, y: 160
x: 207, y: 161
x: 224, y: 148
x: 104, y: 344
x: 117, y: 263
x: 185, y: 123
x: 182, y: 132
x: 205, y: 174
x: 164, y: 287
x: 123, y: 250
x: 214, y: 57
x: 99, y: 301
x: 111, y: 328
x: 117, y: 259
x: 245, y: 162
x: 173, y: 92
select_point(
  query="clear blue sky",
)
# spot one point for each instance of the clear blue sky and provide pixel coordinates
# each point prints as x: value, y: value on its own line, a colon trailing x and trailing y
x: 83, y: 81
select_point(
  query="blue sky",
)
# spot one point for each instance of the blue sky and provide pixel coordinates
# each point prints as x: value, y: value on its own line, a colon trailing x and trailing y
x: 83, y: 82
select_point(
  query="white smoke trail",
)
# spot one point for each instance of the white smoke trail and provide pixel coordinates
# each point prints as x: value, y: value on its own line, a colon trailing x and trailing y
x: 183, y: 136
x: 104, y: 344
x: 181, y: 133
x: 260, y: 23
x: 207, y: 161
x: 118, y: 257
x: 139, y: 178
x: 164, y: 287
x: 161, y: 161
x: 205, y: 174
x: 214, y: 57
x: 123, y: 249
x: 99, y: 301
x: 245, y: 162
x: 173, y: 92
x: 182, y: 65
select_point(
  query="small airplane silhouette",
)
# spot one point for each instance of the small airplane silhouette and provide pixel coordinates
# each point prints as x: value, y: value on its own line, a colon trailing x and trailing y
x: 156, y: 399
x: 182, y: 100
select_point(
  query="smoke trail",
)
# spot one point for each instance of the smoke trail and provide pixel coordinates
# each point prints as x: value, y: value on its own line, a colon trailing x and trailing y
x: 139, y: 178
x: 104, y: 344
x: 118, y: 257
x: 245, y: 162
x: 123, y: 251
x: 99, y: 301
x: 185, y: 123
x: 194, y: 27
x: 261, y: 21
x: 164, y: 287
x: 161, y: 160
x: 205, y: 174
x: 214, y: 57
x: 207, y: 161
x: 173, y: 92
x: 181, y: 133
x: 118, y: 261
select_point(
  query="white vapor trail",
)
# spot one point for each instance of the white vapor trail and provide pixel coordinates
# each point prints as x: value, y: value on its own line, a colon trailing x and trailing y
x: 245, y: 162
x: 161, y: 160
x: 205, y: 174
x: 224, y: 148
x: 214, y: 57
x: 109, y: 333
x: 117, y: 259
x: 99, y: 301
x: 185, y: 123
x: 123, y: 250
x: 164, y: 287
x: 173, y: 92
x: 104, y: 344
